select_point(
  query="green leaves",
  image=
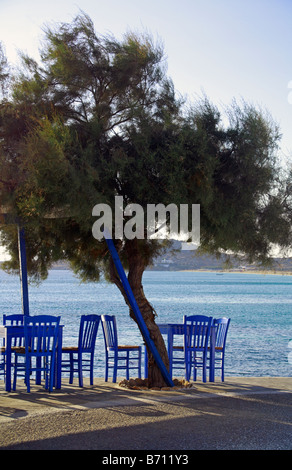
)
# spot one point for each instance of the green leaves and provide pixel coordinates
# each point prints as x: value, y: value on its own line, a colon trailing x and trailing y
x: 99, y: 118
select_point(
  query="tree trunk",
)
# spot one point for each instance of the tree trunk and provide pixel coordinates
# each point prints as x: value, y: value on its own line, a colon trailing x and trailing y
x: 136, y: 270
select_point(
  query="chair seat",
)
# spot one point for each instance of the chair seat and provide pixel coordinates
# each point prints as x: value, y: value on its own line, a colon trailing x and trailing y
x: 70, y: 348
x: 40, y: 340
x: 196, y: 338
x: 126, y: 347
x: 21, y: 350
x: 16, y: 349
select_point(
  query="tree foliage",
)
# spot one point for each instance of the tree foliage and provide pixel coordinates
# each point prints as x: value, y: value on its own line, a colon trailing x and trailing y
x: 99, y: 117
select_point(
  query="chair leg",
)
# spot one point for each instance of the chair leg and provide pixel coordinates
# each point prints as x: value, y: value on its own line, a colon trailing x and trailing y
x: 15, y: 373
x: 46, y: 372
x: 204, y: 367
x: 115, y: 367
x: 204, y: 373
x: 38, y: 375
x: 128, y: 364
x: 145, y: 362
x: 80, y: 376
x: 193, y: 362
x: 91, y: 368
x: 187, y: 365
x: 52, y: 376
x: 222, y: 369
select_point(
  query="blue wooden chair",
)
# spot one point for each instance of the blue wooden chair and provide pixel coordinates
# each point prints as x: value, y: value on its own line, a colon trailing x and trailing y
x: 197, y: 330
x: 2, y: 366
x: 118, y: 357
x: 221, y: 325
x: 13, y: 320
x: 86, y: 345
x: 40, y: 342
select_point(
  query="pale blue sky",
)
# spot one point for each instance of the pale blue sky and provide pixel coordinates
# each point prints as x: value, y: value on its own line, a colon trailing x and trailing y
x: 226, y: 48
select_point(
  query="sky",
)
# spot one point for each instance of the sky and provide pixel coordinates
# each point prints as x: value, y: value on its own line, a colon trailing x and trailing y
x: 224, y: 49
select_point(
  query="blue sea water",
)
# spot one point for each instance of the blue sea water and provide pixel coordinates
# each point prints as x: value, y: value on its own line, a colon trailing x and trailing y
x: 260, y: 307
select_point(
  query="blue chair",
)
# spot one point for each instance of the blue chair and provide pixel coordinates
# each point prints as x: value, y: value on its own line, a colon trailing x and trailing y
x: 40, y: 343
x: 118, y: 357
x: 221, y: 325
x: 197, y: 330
x: 86, y: 345
x: 14, y: 320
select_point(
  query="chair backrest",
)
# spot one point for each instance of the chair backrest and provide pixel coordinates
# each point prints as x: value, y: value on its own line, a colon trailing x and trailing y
x: 41, y: 334
x: 87, y: 332
x: 110, y: 334
x: 177, y: 331
x: 14, y: 320
x: 197, y: 331
x: 222, y: 325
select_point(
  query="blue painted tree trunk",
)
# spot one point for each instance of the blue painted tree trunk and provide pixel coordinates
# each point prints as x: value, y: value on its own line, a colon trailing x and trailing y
x: 138, y: 316
x: 23, y: 270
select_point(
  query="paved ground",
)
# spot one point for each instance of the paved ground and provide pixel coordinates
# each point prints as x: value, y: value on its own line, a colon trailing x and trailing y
x: 239, y: 414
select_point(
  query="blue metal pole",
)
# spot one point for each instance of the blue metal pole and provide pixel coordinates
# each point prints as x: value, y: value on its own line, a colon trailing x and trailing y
x: 23, y: 270
x: 137, y: 312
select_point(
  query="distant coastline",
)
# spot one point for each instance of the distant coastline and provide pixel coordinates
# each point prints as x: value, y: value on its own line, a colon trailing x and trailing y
x: 177, y: 259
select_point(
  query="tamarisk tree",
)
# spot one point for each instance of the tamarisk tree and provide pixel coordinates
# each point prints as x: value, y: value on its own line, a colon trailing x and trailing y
x: 99, y: 118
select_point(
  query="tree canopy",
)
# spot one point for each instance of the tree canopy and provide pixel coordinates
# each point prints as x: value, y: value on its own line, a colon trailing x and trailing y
x: 100, y: 118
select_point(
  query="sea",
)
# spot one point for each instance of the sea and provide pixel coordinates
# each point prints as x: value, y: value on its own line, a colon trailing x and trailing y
x: 259, y: 341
